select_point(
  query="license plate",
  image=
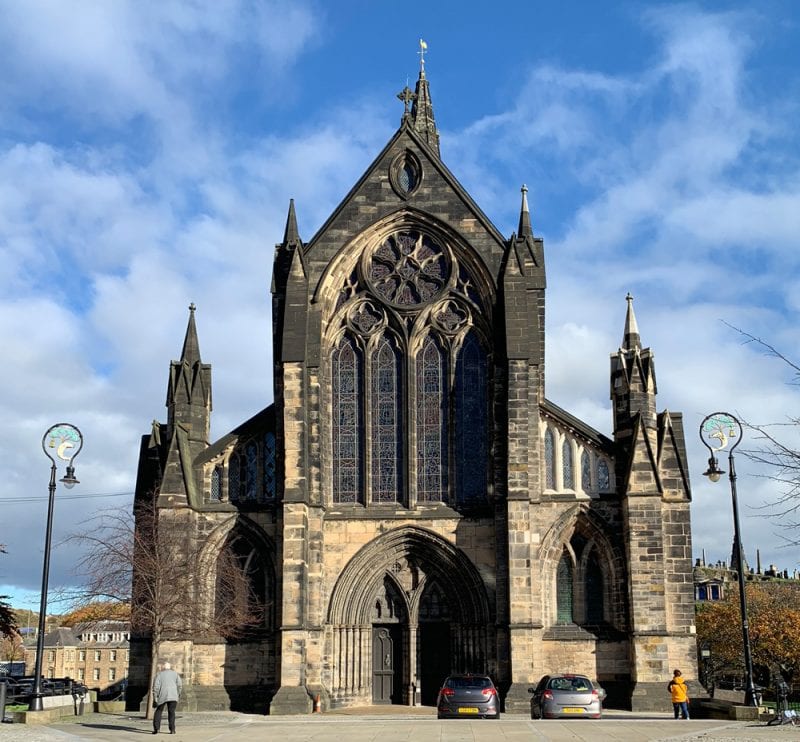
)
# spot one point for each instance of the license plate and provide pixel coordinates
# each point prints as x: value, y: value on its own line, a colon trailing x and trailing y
x: 467, y: 710
x: 569, y: 710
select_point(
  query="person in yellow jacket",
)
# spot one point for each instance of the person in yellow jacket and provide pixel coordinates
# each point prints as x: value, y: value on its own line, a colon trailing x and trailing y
x: 680, y: 695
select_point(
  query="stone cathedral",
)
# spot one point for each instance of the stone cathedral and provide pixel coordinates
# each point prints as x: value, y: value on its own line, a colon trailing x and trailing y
x: 411, y: 503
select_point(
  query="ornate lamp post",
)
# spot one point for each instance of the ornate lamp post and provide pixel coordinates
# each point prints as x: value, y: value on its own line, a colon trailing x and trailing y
x: 65, y: 441
x: 717, y: 431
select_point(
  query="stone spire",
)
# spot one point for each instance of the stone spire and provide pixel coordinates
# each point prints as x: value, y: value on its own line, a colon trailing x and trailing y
x: 191, y: 346
x: 524, y: 216
x: 291, y: 235
x: 422, y: 109
x: 631, y: 339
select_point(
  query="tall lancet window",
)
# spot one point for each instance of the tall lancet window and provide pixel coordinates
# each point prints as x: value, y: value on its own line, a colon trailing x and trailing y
x: 471, y: 420
x: 387, y: 422
x: 564, y: 590
x: 432, y: 415
x: 347, y: 372
x: 567, y: 469
x: 549, y: 460
x: 586, y: 472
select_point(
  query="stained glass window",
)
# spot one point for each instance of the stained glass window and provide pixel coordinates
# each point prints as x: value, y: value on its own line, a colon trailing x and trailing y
x: 347, y: 374
x: 251, y: 472
x: 603, y: 483
x: 432, y: 415
x: 216, y: 484
x: 567, y: 470
x: 270, y: 481
x: 407, y: 177
x: 594, y: 590
x: 549, y: 460
x: 471, y: 422
x: 564, y: 590
x: 586, y: 472
x: 234, y: 478
x: 387, y: 425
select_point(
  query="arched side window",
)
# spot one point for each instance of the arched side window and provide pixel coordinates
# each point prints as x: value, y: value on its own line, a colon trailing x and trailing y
x: 234, y: 478
x: 270, y: 480
x: 549, y: 460
x: 586, y: 472
x: 594, y: 590
x: 244, y: 589
x: 567, y: 469
x: 347, y: 367
x: 564, y: 590
x: 251, y: 472
x: 603, y: 479
x: 216, y: 484
x: 387, y: 422
x: 471, y: 421
x: 432, y: 418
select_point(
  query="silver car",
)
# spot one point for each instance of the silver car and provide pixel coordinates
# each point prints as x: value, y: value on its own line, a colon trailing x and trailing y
x: 568, y: 695
x: 468, y: 696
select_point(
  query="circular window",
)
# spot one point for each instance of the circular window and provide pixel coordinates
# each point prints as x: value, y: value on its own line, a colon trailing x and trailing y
x: 408, y: 268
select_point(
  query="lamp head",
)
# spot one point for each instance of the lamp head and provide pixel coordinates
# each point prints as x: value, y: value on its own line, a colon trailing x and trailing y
x: 713, y: 472
x: 68, y: 480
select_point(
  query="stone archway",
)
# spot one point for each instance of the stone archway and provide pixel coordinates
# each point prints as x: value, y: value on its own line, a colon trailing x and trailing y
x: 399, y: 592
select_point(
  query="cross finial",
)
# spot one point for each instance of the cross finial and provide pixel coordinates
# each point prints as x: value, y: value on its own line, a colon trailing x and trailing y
x: 406, y: 95
x: 423, y: 47
x: 192, y: 307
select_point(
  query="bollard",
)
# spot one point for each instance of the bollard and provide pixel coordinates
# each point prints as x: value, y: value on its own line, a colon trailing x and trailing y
x: 317, y: 704
x: 2, y: 701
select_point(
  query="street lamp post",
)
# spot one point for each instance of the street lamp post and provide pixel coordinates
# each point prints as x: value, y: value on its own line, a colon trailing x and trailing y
x: 717, y: 431
x: 65, y: 441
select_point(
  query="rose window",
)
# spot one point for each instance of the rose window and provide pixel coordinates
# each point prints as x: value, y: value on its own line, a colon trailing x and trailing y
x: 408, y: 268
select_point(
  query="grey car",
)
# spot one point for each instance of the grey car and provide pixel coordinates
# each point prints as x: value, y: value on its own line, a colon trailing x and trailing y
x: 468, y: 697
x: 564, y: 696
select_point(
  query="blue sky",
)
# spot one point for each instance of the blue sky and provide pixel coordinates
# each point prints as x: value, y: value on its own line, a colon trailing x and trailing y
x: 148, y: 152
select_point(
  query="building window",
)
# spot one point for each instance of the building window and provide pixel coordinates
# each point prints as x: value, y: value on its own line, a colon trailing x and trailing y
x: 567, y: 470
x: 564, y: 590
x: 216, y: 484
x: 586, y: 472
x: 82, y: 655
x: 234, y: 478
x: 432, y: 416
x: 549, y: 460
x: 51, y: 656
x: 471, y: 421
x: 603, y: 479
x: 113, y: 655
x: 81, y: 673
x: 96, y: 673
x: 112, y: 673
x: 348, y: 408
x: 97, y: 655
x: 270, y: 481
x: 387, y: 422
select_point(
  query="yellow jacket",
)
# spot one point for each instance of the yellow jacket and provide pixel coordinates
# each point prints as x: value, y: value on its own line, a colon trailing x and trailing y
x: 677, y: 687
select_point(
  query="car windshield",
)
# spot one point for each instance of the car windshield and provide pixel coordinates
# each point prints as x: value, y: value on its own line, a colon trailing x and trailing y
x: 573, y: 685
x: 468, y: 683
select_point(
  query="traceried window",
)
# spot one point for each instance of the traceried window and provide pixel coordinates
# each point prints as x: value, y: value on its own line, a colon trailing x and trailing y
x: 567, y: 470
x: 432, y: 416
x: 471, y: 420
x: 603, y: 480
x: 564, y: 590
x: 387, y: 422
x: 347, y: 375
x: 270, y: 482
x: 216, y: 484
x: 586, y: 472
x: 594, y: 590
x: 549, y: 460
x: 251, y: 472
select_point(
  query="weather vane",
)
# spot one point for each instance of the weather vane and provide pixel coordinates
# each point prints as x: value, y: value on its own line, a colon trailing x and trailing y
x: 423, y: 47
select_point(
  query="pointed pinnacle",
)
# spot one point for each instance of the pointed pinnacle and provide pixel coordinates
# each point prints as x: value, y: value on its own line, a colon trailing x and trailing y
x: 631, y: 339
x: 524, y: 216
x: 291, y: 236
x: 191, y: 346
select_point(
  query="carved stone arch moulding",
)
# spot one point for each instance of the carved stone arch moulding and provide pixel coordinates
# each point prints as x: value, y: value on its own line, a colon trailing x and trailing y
x: 353, y: 594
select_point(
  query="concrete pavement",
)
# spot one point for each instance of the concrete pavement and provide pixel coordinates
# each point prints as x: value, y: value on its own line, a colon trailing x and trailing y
x: 373, y: 726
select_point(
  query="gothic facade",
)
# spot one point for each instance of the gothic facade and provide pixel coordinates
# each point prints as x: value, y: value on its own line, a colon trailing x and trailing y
x: 411, y: 503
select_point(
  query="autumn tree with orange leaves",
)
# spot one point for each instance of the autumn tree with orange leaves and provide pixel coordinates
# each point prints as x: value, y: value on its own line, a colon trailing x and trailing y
x: 773, y: 610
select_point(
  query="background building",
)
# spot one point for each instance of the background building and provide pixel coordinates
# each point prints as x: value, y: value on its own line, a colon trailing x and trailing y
x: 411, y: 503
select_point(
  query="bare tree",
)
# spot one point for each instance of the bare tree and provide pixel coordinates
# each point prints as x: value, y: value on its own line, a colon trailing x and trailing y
x: 776, y: 453
x: 8, y: 623
x: 156, y: 562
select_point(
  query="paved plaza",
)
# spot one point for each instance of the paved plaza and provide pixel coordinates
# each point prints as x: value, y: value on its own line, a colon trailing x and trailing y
x: 372, y: 726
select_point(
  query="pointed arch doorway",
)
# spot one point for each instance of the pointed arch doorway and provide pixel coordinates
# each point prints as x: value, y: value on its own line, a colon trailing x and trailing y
x: 408, y: 609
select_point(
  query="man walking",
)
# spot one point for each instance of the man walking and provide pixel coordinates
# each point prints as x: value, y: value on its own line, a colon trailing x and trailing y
x: 166, y: 692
